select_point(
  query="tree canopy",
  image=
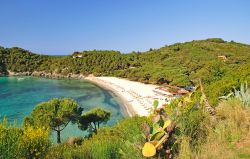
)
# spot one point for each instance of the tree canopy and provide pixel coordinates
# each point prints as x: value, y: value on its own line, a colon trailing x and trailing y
x: 92, y: 119
x: 55, y: 114
x: 220, y: 64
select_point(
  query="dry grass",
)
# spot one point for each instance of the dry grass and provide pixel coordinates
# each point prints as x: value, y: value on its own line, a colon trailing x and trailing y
x: 215, y: 150
x: 185, y: 150
x: 234, y: 119
x: 228, y: 137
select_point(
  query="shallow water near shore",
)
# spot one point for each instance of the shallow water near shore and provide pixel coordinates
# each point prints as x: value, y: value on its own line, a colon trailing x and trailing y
x: 19, y: 95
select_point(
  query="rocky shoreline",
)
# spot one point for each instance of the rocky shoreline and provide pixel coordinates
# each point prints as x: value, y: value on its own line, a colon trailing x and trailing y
x: 44, y: 75
x: 126, y: 105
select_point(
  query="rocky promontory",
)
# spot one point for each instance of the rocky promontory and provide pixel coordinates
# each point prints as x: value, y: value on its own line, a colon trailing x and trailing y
x: 44, y: 75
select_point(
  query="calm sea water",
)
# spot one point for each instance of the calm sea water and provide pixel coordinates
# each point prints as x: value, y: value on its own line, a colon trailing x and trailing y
x: 19, y: 95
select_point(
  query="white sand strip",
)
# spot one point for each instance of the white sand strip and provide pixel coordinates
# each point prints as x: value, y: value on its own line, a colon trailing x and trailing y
x: 136, y: 97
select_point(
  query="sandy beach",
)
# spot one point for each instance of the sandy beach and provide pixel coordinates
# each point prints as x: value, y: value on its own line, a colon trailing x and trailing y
x: 137, y: 97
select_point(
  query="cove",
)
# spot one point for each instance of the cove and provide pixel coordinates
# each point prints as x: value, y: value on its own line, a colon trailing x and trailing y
x: 19, y: 95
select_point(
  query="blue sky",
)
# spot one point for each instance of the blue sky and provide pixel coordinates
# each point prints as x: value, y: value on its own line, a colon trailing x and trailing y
x: 63, y: 26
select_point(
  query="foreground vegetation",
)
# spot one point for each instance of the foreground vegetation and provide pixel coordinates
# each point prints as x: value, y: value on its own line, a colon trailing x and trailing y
x: 187, y: 129
x: 221, y: 65
x: 211, y: 122
x: 123, y: 140
x: 183, y: 129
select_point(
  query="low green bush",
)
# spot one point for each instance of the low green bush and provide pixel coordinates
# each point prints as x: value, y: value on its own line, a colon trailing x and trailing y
x: 9, y: 140
x: 124, y: 140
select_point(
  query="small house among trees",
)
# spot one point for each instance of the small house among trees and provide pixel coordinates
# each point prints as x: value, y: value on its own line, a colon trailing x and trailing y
x: 224, y: 58
x: 77, y: 56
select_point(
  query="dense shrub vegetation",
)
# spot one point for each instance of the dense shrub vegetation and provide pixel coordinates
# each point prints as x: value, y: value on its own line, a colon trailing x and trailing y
x: 186, y: 129
x: 183, y: 129
x: 221, y: 65
x: 192, y: 133
x: 123, y: 140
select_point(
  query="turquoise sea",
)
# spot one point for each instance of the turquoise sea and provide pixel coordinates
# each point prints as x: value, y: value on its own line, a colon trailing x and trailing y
x: 19, y: 95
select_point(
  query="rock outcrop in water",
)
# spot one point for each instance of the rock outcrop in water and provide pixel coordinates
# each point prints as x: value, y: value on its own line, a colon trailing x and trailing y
x: 56, y: 75
x: 10, y: 73
x: 44, y: 75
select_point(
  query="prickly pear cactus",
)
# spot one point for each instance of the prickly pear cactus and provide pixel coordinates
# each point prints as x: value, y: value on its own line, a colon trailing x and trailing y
x: 158, y: 136
x: 148, y: 150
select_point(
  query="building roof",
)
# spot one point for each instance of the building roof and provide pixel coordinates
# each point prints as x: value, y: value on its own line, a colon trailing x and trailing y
x: 173, y: 90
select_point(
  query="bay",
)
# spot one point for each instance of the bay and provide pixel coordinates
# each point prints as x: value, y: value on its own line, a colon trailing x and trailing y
x: 19, y: 95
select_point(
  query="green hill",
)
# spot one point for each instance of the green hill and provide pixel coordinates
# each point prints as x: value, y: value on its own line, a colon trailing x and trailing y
x: 221, y: 65
x: 182, y: 129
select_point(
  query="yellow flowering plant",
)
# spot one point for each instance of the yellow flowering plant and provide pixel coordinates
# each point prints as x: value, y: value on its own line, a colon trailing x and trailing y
x: 35, y: 142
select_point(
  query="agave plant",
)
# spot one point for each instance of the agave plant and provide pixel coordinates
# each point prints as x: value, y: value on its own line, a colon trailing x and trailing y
x: 228, y: 96
x: 243, y: 94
